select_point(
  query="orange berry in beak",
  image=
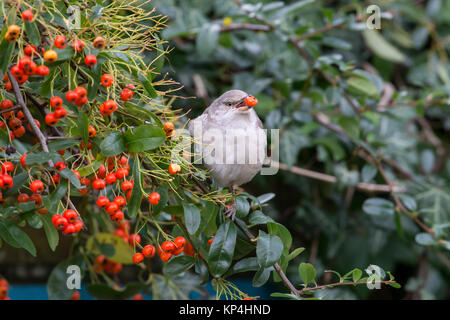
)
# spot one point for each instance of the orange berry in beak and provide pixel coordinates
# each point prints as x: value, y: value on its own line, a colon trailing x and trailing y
x: 251, y: 101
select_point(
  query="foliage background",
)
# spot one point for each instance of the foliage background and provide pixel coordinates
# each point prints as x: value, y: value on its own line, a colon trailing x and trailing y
x: 398, y: 82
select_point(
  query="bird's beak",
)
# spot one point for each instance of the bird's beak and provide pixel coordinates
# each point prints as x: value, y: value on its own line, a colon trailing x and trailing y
x: 241, y: 106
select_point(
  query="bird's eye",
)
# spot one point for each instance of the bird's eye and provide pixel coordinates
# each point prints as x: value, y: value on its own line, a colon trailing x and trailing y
x: 228, y: 104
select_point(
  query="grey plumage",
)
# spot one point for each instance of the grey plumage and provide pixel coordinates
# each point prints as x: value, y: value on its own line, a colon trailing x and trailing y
x: 229, y: 131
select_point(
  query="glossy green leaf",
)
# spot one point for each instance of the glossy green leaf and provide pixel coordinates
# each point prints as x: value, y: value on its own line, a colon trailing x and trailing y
x: 268, y: 249
x: 222, y: 249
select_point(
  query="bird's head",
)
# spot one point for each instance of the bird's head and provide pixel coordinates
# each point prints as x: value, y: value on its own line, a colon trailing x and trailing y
x: 232, y: 101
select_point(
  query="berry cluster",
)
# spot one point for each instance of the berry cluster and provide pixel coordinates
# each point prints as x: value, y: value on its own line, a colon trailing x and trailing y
x: 68, y: 223
x: 103, y: 264
x: 165, y: 251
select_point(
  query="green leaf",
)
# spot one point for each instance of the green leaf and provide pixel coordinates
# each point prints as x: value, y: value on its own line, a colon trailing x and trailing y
x: 113, y: 144
x: 135, y: 201
x: 64, y: 54
x: 122, y: 252
x: 222, y: 249
x: 362, y: 86
x: 4, y: 139
x: 257, y: 217
x: 33, y: 33
x: 70, y: 175
x: 18, y: 180
x: 144, y: 138
x: 62, y: 144
x: 425, y: 239
x: 242, y: 207
x: 383, y: 49
x: 57, y: 281
x: 350, y: 126
x: 192, y: 217
x: 356, y: 274
x: 395, y: 285
x: 307, y: 272
x: 268, y: 249
x: 368, y: 172
x: 178, y: 265
x: 51, y: 202
x: 244, y: 265
x: 12, y: 234
x: 40, y: 157
x: 50, y: 231
x: 83, y: 126
x: 261, y: 277
x: 105, y: 292
x: 378, y: 206
x: 6, y: 48
x: 295, y: 253
x: 282, y: 232
x: 207, y: 39
x: 148, y: 86
x: 164, y: 197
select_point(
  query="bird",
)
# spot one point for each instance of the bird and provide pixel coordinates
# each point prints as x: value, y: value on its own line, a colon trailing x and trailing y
x: 230, y: 141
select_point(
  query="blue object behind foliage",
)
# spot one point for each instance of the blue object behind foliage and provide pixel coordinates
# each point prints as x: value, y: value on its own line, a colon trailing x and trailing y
x: 39, y: 291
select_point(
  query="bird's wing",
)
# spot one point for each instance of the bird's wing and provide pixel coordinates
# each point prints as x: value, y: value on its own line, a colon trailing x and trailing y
x: 199, y: 121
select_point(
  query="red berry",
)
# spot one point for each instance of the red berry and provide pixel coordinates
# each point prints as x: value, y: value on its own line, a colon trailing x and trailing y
x: 165, y: 256
x: 60, y: 42
x: 134, y: 239
x: 112, y: 208
x: 90, y: 60
x: 102, y: 202
x: 107, y: 80
x: 72, y: 96
x: 120, y: 201
x: 60, y: 113
x: 138, y: 258
x: 27, y: 15
x: 153, y: 198
x: 111, y: 178
x: 30, y: 50
x: 61, y: 223
x: 50, y: 119
x: 126, y: 185
x: 117, y: 216
x: 60, y: 165
x: 71, y: 215
x: 99, y: 184
x: 121, y: 173
x: 37, y: 186
x: 149, y: 251
x: 69, y: 229
x: 168, y: 246
x: 23, y: 197
x: 7, y: 167
x: 56, y: 102
x: 179, y: 242
x: 92, y: 132
x: 42, y: 70
x: 78, y: 45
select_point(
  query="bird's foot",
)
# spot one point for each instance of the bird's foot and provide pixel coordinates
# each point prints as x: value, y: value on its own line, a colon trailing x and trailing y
x: 230, y: 212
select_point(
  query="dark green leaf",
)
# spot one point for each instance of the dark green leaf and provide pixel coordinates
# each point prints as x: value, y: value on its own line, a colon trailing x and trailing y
x: 113, y: 144
x: 222, y: 249
x: 268, y: 249
x: 144, y: 138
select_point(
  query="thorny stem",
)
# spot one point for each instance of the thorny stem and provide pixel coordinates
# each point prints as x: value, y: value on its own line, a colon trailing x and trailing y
x: 34, y: 127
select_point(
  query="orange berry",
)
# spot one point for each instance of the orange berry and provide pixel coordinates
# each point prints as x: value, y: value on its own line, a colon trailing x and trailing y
x: 251, y: 101
x: 174, y: 168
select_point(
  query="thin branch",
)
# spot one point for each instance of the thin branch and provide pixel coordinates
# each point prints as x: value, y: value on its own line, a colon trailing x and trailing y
x: 362, y: 186
x: 246, y: 26
x: 34, y: 127
x: 337, y: 284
